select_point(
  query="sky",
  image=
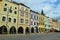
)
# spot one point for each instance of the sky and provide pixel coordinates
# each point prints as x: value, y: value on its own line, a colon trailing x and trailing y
x: 51, y: 8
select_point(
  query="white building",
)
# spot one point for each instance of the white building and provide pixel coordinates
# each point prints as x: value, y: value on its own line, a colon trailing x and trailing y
x: 34, y: 21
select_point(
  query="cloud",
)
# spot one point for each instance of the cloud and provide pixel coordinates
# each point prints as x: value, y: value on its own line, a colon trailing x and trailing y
x: 55, y: 12
x: 51, y: 7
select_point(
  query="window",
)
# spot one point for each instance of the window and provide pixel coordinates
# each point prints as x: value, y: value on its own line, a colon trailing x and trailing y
x: 31, y: 23
x: 9, y: 19
x: 42, y: 23
x: 11, y: 7
x: 26, y: 21
x: 34, y: 17
x: 26, y: 9
x: 15, y: 7
x: 37, y: 23
x: 22, y: 8
x: 15, y: 12
x: 26, y: 14
x: 37, y: 17
x: 48, y: 25
x: 45, y: 25
x: 31, y: 15
x: 3, y: 18
x: 5, y: 9
x: 22, y: 14
x: 21, y: 20
x: 14, y: 20
x: 10, y: 11
x: 5, y: 4
x: 34, y: 23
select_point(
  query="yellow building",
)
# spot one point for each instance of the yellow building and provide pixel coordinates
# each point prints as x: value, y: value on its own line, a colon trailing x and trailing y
x: 0, y: 5
x: 14, y: 17
x: 24, y: 19
x: 41, y: 22
x: 8, y: 17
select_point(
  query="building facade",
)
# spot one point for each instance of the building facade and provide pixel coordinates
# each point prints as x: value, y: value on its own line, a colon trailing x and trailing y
x: 34, y: 20
x: 9, y: 15
x: 41, y: 22
x: 54, y: 25
x: 47, y: 24
x: 14, y: 17
x: 23, y: 19
x: 19, y: 18
x: 50, y: 23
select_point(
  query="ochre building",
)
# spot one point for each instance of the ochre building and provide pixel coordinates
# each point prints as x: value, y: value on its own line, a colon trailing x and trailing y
x: 14, y: 17
x: 41, y: 22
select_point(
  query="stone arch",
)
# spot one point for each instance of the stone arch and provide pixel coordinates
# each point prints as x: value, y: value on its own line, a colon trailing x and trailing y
x: 20, y: 30
x: 12, y: 30
x: 32, y: 30
x: 3, y: 29
x: 36, y: 29
x: 27, y: 30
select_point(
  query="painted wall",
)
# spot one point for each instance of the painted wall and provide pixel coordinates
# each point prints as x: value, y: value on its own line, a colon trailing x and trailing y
x: 46, y: 23
x: 34, y: 20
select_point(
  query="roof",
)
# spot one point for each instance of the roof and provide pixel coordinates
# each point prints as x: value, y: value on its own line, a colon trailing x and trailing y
x: 54, y: 20
x: 14, y: 2
x: 23, y: 5
x: 19, y: 4
x: 34, y: 11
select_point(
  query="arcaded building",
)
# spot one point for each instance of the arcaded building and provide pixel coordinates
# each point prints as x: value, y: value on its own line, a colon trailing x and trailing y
x: 14, y: 17
x: 19, y: 18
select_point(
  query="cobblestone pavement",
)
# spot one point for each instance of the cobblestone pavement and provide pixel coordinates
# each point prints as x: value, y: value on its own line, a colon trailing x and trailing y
x: 49, y: 36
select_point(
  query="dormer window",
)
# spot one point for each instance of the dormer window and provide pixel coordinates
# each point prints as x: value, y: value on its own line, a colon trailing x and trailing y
x: 15, y: 7
x: 5, y: 4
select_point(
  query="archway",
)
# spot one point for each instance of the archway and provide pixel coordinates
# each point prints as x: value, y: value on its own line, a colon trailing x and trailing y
x: 3, y: 30
x: 12, y: 30
x: 27, y: 30
x: 32, y: 30
x: 36, y: 29
x: 20, y: 30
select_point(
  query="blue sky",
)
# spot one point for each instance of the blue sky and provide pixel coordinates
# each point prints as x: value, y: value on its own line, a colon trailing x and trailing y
x: 51, y: 7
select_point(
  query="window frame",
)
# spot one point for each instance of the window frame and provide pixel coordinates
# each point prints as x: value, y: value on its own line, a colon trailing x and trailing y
x: 9, y: 19
x: 3, y: 18
x: 14, y: 20
x: 5, y: 9
x: 21, y: 20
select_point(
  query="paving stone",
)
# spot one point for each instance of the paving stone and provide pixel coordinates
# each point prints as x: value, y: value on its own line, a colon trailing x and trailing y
x: 49, y: 36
